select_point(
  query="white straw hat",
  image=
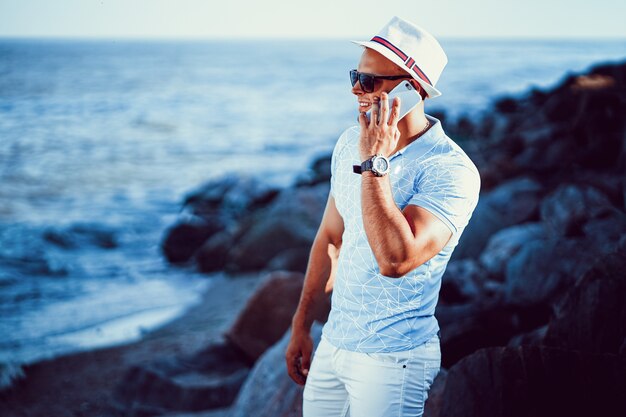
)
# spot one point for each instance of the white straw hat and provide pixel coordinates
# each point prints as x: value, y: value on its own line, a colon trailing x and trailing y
x: 412, y: 49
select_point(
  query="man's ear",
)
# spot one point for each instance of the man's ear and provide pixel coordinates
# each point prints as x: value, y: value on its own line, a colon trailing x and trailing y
x: 419, y: 88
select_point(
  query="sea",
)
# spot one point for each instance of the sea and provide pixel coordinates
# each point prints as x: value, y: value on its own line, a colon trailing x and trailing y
x: 100, y: 141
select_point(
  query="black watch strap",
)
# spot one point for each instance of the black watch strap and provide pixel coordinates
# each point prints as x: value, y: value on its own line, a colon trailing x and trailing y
x: 366, y: 165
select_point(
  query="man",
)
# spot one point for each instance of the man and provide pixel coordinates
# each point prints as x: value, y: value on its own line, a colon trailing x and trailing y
x: 384, y: 242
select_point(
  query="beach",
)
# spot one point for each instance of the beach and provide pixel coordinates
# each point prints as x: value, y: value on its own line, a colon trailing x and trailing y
x: 82, y: 384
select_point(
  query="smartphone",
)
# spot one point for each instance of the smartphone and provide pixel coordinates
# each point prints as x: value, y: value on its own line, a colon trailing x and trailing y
x: 409, y: 98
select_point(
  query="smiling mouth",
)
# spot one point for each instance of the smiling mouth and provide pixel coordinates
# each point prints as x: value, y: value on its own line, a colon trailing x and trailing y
x: 363, y: 105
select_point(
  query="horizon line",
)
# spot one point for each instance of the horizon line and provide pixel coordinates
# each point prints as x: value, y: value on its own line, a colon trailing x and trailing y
x: 295, y: 38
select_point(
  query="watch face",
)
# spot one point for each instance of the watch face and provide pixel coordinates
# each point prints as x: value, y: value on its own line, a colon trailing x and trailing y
x: 381, y: 164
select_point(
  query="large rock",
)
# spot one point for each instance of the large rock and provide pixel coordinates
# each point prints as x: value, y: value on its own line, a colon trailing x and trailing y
x: 216, y: 206
x: 511, y: 203
x: 295, y: 259
x: 214, y: 253
x: 230, y: 197
x: 606, y: 233
x: 433, y: 404
x: 318, y: 172
x: 291, y: 222
x: 531, y: 381
x: 567, y: 209
x: 206, y: 380
x: 468, y: 327
x: 543, y: 270
x: 269, y: 391
x: 268, y: 313
x: 505, y: 243
x: 183, y: 239
x: 461, y: 282
x: 573, y: 127
x: 593, y: 315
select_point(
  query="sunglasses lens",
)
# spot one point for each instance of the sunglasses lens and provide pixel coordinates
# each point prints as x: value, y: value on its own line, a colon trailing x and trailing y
x: 353, y: 77
x: 367, y: 82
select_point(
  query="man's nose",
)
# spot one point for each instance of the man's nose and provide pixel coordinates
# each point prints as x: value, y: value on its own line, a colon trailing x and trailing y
x: 356, y: 89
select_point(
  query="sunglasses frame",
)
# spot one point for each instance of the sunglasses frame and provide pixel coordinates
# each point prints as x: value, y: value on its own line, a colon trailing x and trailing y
x: 361, y: 76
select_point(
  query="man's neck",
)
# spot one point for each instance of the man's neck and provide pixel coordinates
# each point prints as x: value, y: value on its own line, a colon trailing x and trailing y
x: 411, y: 128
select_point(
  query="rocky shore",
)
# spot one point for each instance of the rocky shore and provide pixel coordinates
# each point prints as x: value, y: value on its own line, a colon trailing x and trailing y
x: 532, y: 306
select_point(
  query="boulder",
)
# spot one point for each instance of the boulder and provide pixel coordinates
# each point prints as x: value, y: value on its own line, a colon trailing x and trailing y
x: 467, y: 327
x: 433, y: 404
x: 592, y: 317
x: 218, y: 205
x: 229, y: 197
x: 206, y: 380
x: 517, y: 199
x: 535, y: 337
x: 606, y: 232
x: 184, y: 238
x: 269, y: 391
x: 485, y: 222
x: 267, y: 314
x: 295, y: 259
x: 505, y: 243
x: 318, y: 172
x: 543, y: 270
x: 569, y: 207
x: 511, y: 203
x: 532, y: 381
x: 264, y: 238
x: 290, y: 222
x: 461, y: 282
x: 213, y: 254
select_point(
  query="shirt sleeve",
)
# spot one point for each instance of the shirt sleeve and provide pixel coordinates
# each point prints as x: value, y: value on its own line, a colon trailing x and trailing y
x: 449, y: 190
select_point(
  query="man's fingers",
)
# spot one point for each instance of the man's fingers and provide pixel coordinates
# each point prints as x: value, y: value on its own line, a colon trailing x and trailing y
x: 363, y: 120
x: 306, y: 362
x: 293, y: 369
x: 384, y: 108
x: 395, y: 112
x: 374, y: 115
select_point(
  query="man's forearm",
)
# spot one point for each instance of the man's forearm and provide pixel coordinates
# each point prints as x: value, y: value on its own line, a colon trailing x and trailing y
x: 388, y: 231
x: 314, y: 299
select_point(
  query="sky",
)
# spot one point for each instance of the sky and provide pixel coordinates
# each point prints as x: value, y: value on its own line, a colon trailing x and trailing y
x: 309, y: 19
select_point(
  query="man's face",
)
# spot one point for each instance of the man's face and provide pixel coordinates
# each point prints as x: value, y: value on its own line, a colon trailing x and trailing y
x: 375, y: 63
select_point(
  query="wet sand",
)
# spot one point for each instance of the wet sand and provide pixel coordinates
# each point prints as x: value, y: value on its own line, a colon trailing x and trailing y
x: 82, y: 384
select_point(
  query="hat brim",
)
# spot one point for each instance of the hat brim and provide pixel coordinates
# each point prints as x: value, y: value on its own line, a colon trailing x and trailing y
x: 430, y: 90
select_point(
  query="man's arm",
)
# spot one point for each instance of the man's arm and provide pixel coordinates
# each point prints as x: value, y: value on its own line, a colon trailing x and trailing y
x: 400, y: 240
x: 314, y: 299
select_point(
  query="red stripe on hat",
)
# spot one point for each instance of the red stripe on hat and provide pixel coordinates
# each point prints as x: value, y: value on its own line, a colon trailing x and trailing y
x: 421, y: 74
x: 391, y: 46
x: 408, y: 60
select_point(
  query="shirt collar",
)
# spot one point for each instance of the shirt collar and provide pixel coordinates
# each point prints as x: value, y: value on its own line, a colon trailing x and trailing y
x: 425, y: 142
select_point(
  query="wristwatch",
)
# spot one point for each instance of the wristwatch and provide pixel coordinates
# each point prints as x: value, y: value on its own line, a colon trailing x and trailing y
x: 378, y: 164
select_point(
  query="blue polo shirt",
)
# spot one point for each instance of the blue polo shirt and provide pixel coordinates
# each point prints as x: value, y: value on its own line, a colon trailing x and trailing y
x: 372, y: 312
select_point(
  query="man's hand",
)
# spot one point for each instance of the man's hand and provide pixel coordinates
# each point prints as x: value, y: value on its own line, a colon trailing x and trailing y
x: 377, y: 135
x: 298, y: 356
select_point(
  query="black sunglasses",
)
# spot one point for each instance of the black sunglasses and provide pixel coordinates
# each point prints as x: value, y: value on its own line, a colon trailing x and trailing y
x: 368, y: 81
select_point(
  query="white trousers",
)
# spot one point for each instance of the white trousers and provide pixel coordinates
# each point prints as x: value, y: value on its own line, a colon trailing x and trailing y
x: 343, y: 383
